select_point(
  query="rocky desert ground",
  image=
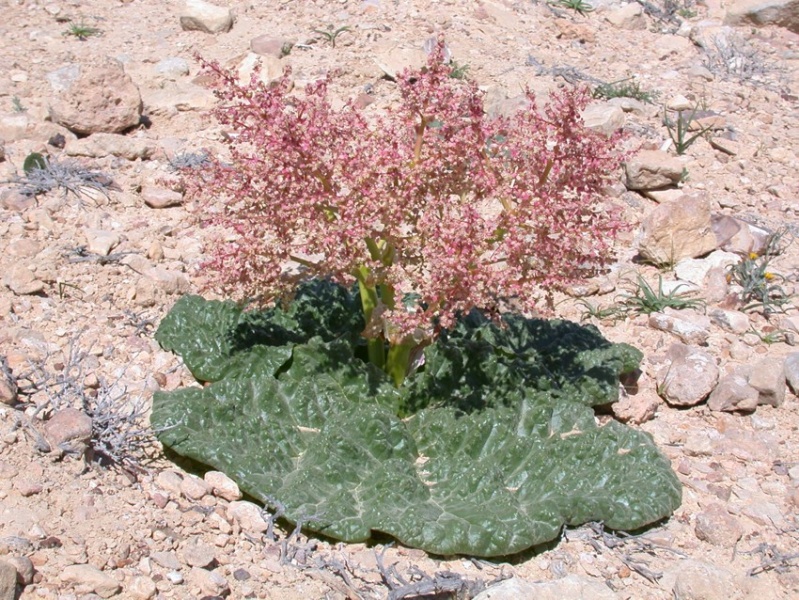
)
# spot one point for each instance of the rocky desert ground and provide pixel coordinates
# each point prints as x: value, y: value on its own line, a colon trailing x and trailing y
x: 111, y: 93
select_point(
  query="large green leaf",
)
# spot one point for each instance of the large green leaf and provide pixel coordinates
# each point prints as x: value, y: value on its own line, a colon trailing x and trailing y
x: 502, y: 453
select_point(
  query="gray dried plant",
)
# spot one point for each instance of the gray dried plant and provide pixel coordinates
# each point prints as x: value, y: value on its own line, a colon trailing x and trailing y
x: 121, y: 435
x: 43, y: 174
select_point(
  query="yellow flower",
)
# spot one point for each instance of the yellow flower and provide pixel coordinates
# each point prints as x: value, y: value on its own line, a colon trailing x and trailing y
x: 752, y: 255
x: 768, y: 276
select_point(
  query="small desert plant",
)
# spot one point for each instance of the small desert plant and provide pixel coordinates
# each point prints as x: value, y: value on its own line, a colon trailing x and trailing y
x: 459, y: 71
x: 189, y: 160
x: 680, y: 129
x: 774, y: 336
x: 580, y: 6
x: 645, y: 299
x: 82, y: 31
x: 17, y: 106
x: 43, y: 175
x: 331, y: 34
x: 624, y: 88
x: 733, y: 57
x: 761, y: 288
x: 600, y: 313
x: 120, y: 433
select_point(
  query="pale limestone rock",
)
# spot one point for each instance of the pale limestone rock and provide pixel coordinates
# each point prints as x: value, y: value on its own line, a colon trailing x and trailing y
x: 24, y: 567
x: 158, y: 197
x: 688, y: 331
x: 248, y: 516
x: 733, y: 393
x: 172, y: 68
x: 668, y: 45
x: 630, y: 16
x: 223, y: 486
x: 168, y: 281
x: 733, y: 321
x: 96, y: 98
x: 265, y: 45
x: 664, y: 195
x: 738, y: 236
x: 22, y: 281
x: 169, y: 481
x: 100, y: 242
x: 783, y: 13
x: 679, y: 102
x: 791, y: 367
x: 636, y: 408
x: 697, y: 580
x: 69, y: 430
x: 194, y: 488
x: 652, y: 169
x: 199, y: 555
x: 206, y: 17
x: 688, y: 376
x: 99, y: 145
x: 393, y: 58
x: 210, y: 582
x: 716, y: 526
x: 677, y: 230
x: 695, y: 270
x: 768, y: 378
x: 271, y: 68
x: 89, y: 578
x: 603, y: 117
x: 142, y: 587
x: 571, y: 587
x: 8, y: 581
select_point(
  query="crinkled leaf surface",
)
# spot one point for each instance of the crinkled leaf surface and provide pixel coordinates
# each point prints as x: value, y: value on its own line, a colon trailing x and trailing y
x: 483, y: 473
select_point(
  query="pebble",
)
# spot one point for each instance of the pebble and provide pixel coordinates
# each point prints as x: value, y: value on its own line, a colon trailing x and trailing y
x: 24, y: 567
x: 168, y: 560
x: 170, y: 481
x: 175, y: 577
x: 248, y: 516
x: 8, y: 581
x: 717, y: 526
x: 27, y: 488
x: 92, y: 578
x: 142, y: 587
x: 223, y: 486
x: 194, y: 488
x: 199, y: 555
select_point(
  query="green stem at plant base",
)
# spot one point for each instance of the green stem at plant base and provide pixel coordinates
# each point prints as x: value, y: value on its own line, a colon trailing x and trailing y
x: 399, y: 355
x: 369, y: 301
x: 395, y: 362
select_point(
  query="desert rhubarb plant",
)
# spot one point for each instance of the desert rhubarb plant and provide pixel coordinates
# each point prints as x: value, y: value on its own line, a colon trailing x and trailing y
x: 433, y: 201
x: 382, y: 238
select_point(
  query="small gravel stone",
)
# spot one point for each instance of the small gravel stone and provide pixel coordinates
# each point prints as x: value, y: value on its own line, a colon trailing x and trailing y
x: 27, y: 488
x: 170, y: 481
x: 142, y: 588
x: 175, y: 577
x: 223, y: 486
x: 199, y: 555
x: 717, y: 526
x: 194, y: 488
x: 168, y: 560
x: 248, y: 516
x: 24, y: 567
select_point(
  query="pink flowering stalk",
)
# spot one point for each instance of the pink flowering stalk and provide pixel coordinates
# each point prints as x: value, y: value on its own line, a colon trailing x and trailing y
x: 432, y: 199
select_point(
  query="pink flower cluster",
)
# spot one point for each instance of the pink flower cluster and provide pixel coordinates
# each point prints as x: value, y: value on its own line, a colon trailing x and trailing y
x: 434, y: 198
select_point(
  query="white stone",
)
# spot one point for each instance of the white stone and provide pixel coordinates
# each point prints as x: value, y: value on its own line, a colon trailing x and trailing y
x: 204, y: 16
